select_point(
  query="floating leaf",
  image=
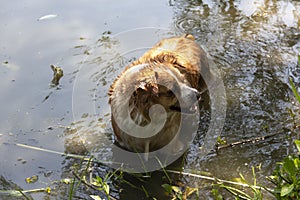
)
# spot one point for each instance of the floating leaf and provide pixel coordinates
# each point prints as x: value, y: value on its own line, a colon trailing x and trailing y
x: 32, y: 179
x: 286, y: 189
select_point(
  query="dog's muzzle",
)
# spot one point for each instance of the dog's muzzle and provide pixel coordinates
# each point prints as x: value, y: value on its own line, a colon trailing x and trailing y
x: 188, y: 102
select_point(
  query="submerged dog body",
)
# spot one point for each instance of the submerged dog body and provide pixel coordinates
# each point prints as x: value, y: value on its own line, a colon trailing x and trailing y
x: 170, y: 75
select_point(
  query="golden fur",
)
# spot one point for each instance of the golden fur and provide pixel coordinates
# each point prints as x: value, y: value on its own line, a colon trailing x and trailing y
x: 178, y: 64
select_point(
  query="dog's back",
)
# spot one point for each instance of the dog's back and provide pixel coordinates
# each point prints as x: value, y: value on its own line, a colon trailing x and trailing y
x: 184, y: 54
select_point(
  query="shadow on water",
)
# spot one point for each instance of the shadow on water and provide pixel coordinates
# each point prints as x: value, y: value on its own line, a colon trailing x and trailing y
x: 254, y: 44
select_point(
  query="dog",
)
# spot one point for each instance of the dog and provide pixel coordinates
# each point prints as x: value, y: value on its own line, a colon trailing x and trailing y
x: 171, y: 74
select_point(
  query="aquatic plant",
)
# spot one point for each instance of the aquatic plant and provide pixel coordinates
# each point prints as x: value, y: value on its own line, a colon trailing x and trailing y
x: 286, y: 177
x: 286, y: 180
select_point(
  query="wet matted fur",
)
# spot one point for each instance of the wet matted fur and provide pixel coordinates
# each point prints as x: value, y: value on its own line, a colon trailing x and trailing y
x: 180, y: 64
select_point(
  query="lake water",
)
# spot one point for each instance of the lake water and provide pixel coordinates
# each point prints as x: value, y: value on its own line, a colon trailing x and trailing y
x: 253, y: 44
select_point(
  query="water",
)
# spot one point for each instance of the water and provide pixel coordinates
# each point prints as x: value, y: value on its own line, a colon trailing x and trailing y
x: 254, y: 44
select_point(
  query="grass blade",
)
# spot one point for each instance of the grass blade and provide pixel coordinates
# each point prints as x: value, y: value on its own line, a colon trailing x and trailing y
x: 295, y: 90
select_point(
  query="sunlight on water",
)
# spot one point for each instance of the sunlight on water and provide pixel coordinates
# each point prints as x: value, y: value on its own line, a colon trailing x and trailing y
x: 254, y: 44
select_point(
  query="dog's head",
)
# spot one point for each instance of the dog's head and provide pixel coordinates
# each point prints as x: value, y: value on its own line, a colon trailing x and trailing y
x: 154, y: 84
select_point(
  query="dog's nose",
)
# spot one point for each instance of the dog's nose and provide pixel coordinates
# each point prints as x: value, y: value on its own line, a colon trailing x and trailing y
x: 190, y: 93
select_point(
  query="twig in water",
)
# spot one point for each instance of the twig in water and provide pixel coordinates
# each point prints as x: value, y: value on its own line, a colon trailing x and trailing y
x: 251, y: 140
x: 85, y: 158
x: 219, y: 181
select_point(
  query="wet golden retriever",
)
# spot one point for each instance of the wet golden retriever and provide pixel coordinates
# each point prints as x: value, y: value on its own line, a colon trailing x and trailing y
x: 171, y: 75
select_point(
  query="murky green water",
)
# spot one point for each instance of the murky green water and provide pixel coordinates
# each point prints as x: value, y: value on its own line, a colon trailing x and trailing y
x: 254, y: 44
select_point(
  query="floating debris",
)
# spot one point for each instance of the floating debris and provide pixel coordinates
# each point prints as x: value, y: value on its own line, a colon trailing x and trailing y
x: 46, y: 17
x: 21, y: 160
x: 106, y: 33
x: 84, y: 115
x: 32, y: 179
x: 57, y: 74
x: 47, y: 97
x: 48, y: 173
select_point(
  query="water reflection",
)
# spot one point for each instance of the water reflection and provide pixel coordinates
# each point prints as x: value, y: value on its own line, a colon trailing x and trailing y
x: 254, y: 43
x: 249, y: 41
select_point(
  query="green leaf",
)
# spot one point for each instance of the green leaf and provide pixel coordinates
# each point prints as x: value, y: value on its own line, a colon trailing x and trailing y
x: 99, y: 179
x: 176, y: 189
x: 295, y: 90
x: 216, y: 194
x: 221, y: 141
x: 297, y: 143
x: 106, y: 188
x: 286, y: 189
x: 168, y: 188
x: 289, y: 166
x: 297, y: 163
